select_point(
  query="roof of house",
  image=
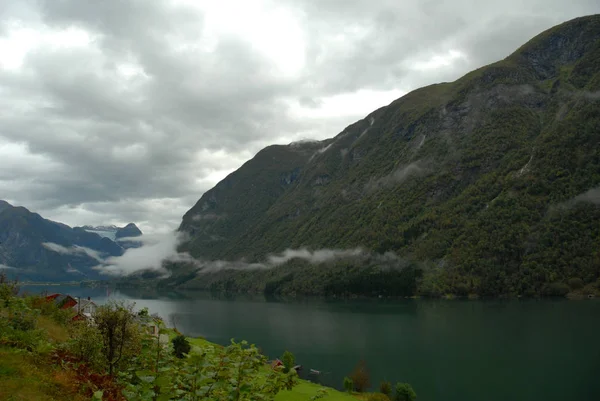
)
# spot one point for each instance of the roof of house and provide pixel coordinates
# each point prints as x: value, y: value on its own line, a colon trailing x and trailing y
x: 59, y: 299
x: 85, y: 302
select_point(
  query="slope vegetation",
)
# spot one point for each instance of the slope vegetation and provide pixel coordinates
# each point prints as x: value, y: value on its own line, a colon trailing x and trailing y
x: 488, y: 185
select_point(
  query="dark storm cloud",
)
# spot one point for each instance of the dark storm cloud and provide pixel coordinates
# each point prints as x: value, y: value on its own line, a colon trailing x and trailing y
x: 151, y: 105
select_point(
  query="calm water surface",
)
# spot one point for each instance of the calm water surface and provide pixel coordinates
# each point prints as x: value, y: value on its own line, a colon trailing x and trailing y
x: 448, y: 350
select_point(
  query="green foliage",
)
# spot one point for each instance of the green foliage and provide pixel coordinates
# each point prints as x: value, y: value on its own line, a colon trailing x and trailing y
x: 181, y: 346
x: 576, y: 283
x: 288, y: 360
x: 360, y: 377
x: 385, y: 387
x: 86, y: 343
x: 228, y: 373
x: 348, y: 384
x: 404, y: 392
x: 480, y: 186
x: 119, y: 332
x: 321, y: 393
x: 556, y: 290
x: 8, y: 288
x: 145, y: 368
x: 18, y: 321
x: 378, y: 397
x: 50, y: 309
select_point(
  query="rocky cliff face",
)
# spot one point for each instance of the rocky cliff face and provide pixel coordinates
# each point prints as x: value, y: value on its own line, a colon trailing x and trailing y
x: 479, y: 180
x: 40, y: 249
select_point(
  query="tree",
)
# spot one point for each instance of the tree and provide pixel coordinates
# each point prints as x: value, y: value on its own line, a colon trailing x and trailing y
x: 360, y: 376
x: 8, y: 288
x: 348, y: 384
x: 181, y: 346
x: 385, y: 387
x: 120, y: 333
x: 405, y: 392
x: 288, y: 360
x: 86, y: 343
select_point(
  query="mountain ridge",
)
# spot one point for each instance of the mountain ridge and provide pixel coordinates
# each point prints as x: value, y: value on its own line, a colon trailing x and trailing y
x: 464, y: 179
x: 44, y: 250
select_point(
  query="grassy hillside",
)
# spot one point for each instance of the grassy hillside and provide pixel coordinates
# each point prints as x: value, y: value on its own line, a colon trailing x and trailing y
x: 488, y: 185
x: 45, y: 355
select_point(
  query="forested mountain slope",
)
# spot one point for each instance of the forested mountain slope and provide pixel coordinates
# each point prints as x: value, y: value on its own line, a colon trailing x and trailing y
x: 486, y: 185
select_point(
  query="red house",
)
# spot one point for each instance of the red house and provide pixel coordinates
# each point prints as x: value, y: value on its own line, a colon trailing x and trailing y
x: 62, y: 301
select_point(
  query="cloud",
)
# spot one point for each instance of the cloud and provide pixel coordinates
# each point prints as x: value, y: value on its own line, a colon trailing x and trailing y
x: 155, y: 250
x: 397, y: 177
x: 5, y: 267
x: 160, y: 248
x: 591, y: 196
x: 74, y: 250
x: 318, y: 256
x: 130, y: 115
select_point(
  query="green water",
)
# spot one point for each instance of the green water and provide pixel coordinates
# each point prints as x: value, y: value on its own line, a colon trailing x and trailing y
x: 448, y: 350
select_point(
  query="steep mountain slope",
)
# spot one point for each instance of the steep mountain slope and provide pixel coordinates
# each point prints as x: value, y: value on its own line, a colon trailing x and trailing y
x: 480, y: 183
x: 41, y: 249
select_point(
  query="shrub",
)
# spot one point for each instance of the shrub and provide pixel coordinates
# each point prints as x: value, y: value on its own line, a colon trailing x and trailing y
x: 348, y: 384
x: 8, y: 288
x: 556, y: 290
x: 181, y: 346
x: 288, y: 360
x: 576, y: 283
x: 360, y: 376
x: 385, y: 387
x: 120, y: 334
x: 86, y: 344
x: 22, y: 320
x: 404, y: 392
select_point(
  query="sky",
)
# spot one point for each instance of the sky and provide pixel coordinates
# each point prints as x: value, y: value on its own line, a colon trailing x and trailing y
x: 120, y: 111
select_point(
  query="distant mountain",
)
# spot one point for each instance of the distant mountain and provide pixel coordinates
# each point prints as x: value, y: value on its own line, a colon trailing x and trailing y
x: 103, y: 231
x: 480, y: 185
x: 115, y: 233
x: 130, y: 230
x: 41, y: 249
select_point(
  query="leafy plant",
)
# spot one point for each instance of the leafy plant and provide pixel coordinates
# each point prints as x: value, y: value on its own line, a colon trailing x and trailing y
x: 86, y: 343
x: 119, y: 332
x: 348, y: 384
x: 404, y: 392
x: 385, y: 387
x: 181, y: 346
x: 288, y: 360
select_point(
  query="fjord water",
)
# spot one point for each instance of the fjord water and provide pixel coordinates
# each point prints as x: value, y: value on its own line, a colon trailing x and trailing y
x: 448, y: 350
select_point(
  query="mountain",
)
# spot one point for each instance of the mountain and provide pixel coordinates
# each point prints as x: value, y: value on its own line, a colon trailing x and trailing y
x: 115, y: 233
x: 488, y: 185
x: 44, y: 250
x: 130, y: 230
x: 103, y: 231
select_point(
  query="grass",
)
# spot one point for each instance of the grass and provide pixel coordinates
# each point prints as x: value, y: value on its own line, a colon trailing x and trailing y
x: 305, y: 390
x: 21, y: 378
x: 56, y: 332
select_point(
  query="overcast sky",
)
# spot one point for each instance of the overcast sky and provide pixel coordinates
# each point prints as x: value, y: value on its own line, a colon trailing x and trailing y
x: 128, y: 110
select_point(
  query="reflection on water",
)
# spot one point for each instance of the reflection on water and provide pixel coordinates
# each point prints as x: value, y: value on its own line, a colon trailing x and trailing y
x: 448, y: 350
